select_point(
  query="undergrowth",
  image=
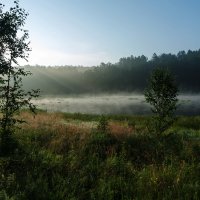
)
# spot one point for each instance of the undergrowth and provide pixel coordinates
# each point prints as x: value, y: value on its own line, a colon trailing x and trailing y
x: 119, y: 159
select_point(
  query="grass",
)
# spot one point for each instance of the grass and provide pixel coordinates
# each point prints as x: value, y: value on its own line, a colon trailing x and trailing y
x: 67, y: 156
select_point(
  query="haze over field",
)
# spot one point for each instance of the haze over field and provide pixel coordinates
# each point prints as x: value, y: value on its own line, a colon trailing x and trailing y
x: 100, y: 89
x: 129, y: 74
x: 119, y: 42
x: 129, y: 103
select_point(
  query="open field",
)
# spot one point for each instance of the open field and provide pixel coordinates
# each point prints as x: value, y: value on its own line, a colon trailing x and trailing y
x: 69, y: 156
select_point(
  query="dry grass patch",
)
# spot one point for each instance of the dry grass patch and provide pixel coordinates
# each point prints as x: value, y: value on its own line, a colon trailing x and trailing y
x: 40, y: 120
x: 120, y: 130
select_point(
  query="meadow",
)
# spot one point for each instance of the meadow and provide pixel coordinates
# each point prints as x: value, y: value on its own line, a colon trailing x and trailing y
x: 112, y: 103
x: 77, y: 153
x: 89, y: 156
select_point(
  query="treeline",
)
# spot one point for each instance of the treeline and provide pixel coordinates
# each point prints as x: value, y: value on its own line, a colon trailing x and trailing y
x: 130, y: 74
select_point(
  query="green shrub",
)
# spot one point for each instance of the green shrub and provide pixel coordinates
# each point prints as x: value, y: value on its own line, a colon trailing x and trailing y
x: 103, y: 124
x: 100, y: 144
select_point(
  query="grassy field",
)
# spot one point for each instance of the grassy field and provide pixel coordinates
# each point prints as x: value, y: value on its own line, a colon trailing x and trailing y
x: 79, y: 156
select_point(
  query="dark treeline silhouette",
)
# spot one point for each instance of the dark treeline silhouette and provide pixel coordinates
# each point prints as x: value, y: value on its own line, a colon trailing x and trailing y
x: 130, y: 74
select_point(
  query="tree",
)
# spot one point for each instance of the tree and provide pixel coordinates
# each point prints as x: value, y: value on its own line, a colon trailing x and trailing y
x: 13, y: 46
x: 161, y: 93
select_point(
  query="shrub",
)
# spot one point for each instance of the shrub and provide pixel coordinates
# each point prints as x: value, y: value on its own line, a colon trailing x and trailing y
x: 161, y: 93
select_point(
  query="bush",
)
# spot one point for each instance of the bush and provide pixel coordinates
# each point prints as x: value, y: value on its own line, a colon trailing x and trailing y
x: 103, y: 124
x: 161, y: 93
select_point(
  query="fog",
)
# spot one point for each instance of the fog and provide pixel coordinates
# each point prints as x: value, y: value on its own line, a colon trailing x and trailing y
x: 113, y: 104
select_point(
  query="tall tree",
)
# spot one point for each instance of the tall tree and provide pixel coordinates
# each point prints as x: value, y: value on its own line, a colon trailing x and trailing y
x: 13, y: 46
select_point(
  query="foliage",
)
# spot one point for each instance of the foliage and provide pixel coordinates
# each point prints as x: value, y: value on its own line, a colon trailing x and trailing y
x: 161, y: 93
x: 13, y: 46
x: 193, y: 123
x: 97, y: 165
x: 103, y: 124
x: 127, y: 75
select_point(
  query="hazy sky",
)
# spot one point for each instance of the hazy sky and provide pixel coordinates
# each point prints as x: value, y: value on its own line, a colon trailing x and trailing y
x: 88, y: 32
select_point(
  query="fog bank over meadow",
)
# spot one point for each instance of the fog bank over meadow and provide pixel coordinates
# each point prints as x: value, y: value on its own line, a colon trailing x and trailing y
x: 121, y: 103
x: 115, y: 88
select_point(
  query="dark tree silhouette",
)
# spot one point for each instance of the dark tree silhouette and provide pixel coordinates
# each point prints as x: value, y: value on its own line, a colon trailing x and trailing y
x: 127, y: 75
x: 13, y: 45
x: 161, y: 93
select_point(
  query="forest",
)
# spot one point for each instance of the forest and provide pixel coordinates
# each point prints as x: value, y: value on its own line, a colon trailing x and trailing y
x: 130, y: 74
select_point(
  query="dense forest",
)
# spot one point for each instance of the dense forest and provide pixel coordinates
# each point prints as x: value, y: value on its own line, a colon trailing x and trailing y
x: 130, y: 74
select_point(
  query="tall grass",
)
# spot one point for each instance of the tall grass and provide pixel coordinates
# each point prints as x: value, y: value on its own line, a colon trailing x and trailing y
x: 58, y: 160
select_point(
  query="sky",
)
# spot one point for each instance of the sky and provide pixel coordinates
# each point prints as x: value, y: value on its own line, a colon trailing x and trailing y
x: 88, y: 32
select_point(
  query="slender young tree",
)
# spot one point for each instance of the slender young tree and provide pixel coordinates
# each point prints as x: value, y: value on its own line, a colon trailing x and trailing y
x: 161, y: 93
x: 13, y: 46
